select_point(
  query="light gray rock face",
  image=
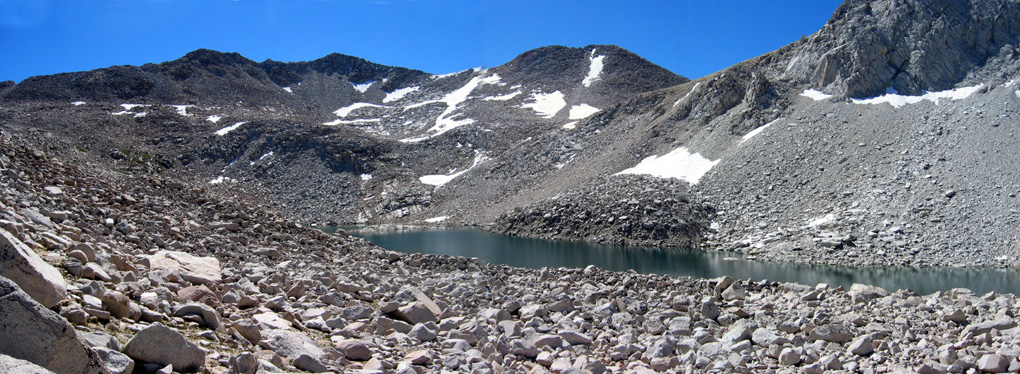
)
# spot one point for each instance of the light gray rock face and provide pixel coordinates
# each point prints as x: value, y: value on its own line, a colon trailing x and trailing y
x: 415, y: 313
x: 911, y: 46
x: 195, y: 269
x: 29, y: 331
x: 22, y: 265
x: 162, y: 345
x: 207, y: 316
x: 10, y: 364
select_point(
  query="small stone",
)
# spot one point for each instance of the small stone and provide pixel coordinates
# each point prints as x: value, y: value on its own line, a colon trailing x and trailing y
x: 116, y: 362
x: 415, y: 313
x: 832, y: 332
x: 420, y: 357
x: 422, y: 332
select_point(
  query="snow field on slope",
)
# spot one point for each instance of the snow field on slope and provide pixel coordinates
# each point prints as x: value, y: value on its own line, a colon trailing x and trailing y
x: 441, y: 179
x: 756, y: 131
x: 679, y: 163
x: 582, y: 110
x: 399, y: 94
x: 815, y: 95
x: 446, y: 122
x: 594, y: 69
x: 546, y: 105
x: 346, y: 111
x: 362, y: 87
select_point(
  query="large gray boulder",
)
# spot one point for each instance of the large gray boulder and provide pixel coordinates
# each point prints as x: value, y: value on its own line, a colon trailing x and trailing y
x: 31, y: 332
x: 10, y: 364
x: 162, y: 345
x: 22, y: 265
x: 195, y: 269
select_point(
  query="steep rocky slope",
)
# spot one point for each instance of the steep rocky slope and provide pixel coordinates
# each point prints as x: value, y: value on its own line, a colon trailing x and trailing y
x: 799, y: 167
x: 158, y: 275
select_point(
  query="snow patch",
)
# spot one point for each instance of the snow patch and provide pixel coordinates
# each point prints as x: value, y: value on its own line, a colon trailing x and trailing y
x: 399, y: 94
x: 288, y: 89
x: 546, y: 105
x: 437, y: 219
x: 446, y: 120
x: 362, y: 87
x: 141, y: 114
x: 504, y: 97
x: 815, y: 95
x: 680, y: 164
x: 896, y: 100
x: 594, y: 69
x: 230, y: 128
x: 580, y: 111
x: 1011, y: 83
x: 213, y: 118
x: 570, y: 125
x: 366, y: 177
x: 78, y: 103
x: 221, y: 179
x: 182, y: 109
x: 439, y: 180
x: 128, y: 108
x: 345, y: 111
x: 680, y: 100
x: 756, y: 131
x: 270, y: 154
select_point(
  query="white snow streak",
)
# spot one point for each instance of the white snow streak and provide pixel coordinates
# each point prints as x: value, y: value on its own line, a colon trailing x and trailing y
x: 446, y: 122
x: 680, y: 164
x: 345, y: 111
x: 141, y: 114
x: 680, y: 100
x: 504, y: 97
x: 263, y: 157
x: 439, y: 180
x: 78, y: 103
x: 213, y: 118
x: 570, y: 125
x: 815, y: 95
x: 897, y: 100
x: 580, y: 111
x: 756, y: 131
x: 350, y: 122
x: 288, y: 89
x: 594, y: 69
x: 230, y: 128
x: 362, y: 87
x: 366, y: 177
x: 128, y: 108
x: 399, y: 94
x: 437, y: 219
x: 546, y: 105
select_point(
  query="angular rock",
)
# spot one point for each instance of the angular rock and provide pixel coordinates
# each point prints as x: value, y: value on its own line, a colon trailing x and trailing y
x: 832, y: 332
x: 993, y: 363
x: 575, y: 338
x: 244, y: 363
x: 116, y: 362
x: 53, y: 343
x: 309, y: 363
x: 862, y: 346
x: 290, y: 344
x: 34, y: 276
x: 356, y: 350
x: 422, y: 333
x: 117, y: 304
x: 199, y: 294
x: 789, y: 357
x: 207, y: 317
x: 415, y: 313
x: 158, y: 344
x: 194, y: 269
x: 868, y: 292
x: 100, y: 339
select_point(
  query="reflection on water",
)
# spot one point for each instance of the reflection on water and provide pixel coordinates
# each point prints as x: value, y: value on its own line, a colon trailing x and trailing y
x: 536, y: 253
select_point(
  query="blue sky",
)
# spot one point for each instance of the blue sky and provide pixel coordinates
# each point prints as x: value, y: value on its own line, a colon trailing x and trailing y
x: 691, y: 38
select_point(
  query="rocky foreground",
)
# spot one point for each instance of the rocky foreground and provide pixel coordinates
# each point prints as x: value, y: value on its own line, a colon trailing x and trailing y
x: 107, y: 272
